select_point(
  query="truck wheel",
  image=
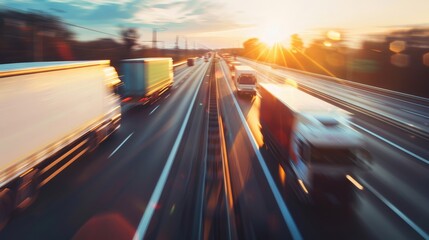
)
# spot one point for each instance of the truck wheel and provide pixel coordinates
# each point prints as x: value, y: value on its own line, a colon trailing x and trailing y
x: 28, y: 189
x: 6, y: 206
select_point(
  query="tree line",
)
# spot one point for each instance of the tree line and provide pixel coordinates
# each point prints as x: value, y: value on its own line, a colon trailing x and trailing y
x: 38, y: 36
x: 398, y: 60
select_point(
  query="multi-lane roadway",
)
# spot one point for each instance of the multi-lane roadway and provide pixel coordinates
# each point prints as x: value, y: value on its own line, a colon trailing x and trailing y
x: 155, y: 178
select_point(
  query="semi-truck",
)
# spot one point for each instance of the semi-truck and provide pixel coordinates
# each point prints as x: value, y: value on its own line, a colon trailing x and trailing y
x: 190, y: 62
x: 51, y: 114
x: 314, y: 142
x: 245, y: 79
x: 145, y: 79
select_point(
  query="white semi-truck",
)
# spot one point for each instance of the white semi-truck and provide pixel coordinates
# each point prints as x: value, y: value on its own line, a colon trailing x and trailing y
x: 51, y: 113
x: 245, y: 79
x: 145, y: 79
x: 313, y: 140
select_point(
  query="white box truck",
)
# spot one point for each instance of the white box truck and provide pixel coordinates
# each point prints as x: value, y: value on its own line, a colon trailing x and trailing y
x: 245, y: 80
x: 313, y: 140
x: 51, y: 113
x: 145, y: 79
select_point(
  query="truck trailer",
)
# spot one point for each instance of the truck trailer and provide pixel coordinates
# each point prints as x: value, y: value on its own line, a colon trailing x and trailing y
x: 145, y: 79
x: 51, y: 112
x: 314, y: 142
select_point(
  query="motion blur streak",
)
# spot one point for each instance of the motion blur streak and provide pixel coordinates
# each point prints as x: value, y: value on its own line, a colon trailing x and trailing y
x: 61, y: 158
x: 392, y: 144
x: 63, y: 167
x: 392, y: 207
x: 356, y: 183
x: 120, y: 145
x: 225, y: 167
x: 281, y: 204
x: 302, y: 186
x: 147, y: 216
x: 282, y: 175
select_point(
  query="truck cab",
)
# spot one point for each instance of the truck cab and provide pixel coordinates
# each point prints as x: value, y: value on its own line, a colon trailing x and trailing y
x: 325, y: 152
x: 314, y: 142
x: 245, y: 80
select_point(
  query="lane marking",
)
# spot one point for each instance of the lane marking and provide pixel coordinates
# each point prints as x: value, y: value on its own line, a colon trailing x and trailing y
x: 180, y: 77
x: 422, y: 159
x: 120, y: 145
x: 153, y: 110
x: 398, y: 212
x: 182, y: 73
x: 150, y: 207
x: 167, y: 96
x: 281, y: 204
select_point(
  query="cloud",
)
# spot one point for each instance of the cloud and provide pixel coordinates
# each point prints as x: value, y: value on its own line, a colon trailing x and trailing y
x: 158, y: 14
x: 92, y: 4
x: 167, y: 12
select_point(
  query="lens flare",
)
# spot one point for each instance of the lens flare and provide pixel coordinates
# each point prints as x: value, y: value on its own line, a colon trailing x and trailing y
x: 271, y: 35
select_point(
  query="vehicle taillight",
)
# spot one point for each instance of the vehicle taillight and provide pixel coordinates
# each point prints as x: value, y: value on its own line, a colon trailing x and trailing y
x: 126, y: 99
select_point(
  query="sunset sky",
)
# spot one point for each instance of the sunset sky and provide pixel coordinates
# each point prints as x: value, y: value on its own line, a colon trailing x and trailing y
x: 227, y: 23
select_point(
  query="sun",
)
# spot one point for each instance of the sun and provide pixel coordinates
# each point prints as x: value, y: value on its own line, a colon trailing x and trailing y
x: 271, y: 35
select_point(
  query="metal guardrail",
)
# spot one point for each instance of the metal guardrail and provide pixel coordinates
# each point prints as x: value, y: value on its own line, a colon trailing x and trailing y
x: 380, y: 117
x: 179, y: 64
x: 388, y: 92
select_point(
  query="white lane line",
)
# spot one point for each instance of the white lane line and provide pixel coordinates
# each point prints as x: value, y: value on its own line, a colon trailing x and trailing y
x: 167, y: 96
x: 150, y: 208
x: 120, y: 145
x: 282, y: 205
x: 185, y: 74
x: 153, y: 110
x: 181, y: 74
x: 391, y: 143
x: 398, y: 212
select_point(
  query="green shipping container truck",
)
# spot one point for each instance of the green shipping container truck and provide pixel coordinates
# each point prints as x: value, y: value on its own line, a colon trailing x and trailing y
x: 145, y: 78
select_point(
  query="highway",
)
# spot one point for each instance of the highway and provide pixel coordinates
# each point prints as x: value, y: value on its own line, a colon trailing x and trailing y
x: 164, y: 176
x: 118, y: 179
x: 396, y: 177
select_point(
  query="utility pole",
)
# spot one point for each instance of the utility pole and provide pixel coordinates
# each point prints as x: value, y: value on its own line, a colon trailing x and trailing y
x: 154, y: 36
x: 154, y: 40
x: 177, y: 41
